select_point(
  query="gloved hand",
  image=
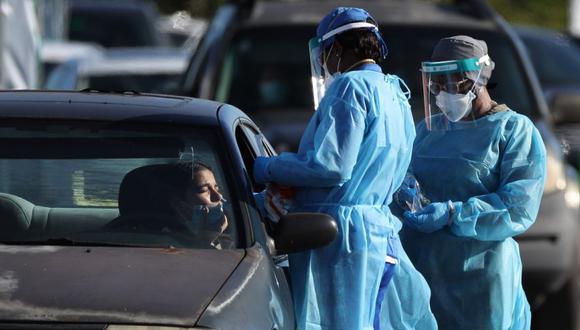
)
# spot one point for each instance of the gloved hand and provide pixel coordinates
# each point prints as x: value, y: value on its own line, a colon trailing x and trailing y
x: 278, y: 201
x: 409, y: 196
x: 261, y: 174
x: 429, y: 219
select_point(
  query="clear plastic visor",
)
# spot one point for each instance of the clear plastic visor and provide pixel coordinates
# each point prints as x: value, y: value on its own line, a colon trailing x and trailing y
x: 317, y: 70
x: 448, y: 91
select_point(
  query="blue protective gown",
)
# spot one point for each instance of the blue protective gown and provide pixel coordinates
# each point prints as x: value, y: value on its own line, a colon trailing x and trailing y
x: 493, y: 169
x: 352, y: 157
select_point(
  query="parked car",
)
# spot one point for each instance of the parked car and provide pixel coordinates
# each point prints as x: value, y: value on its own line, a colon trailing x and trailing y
x: 55, y: 52
x: 182, y: 30
x: 247, y: 44
x: 151, y: 70
x: 556, y: 59
x: 112, y: 23
x: 86, y: 240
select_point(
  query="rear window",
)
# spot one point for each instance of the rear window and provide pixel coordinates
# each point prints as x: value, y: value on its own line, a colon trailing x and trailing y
x: 544, y: 49
x: 111, y: 27
x: 268, y: 68
x: 146, y: 83
x: 103, y: 183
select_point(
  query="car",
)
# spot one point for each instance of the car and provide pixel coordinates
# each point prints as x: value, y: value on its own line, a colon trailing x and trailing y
x: 111, y: 23
x: 560, y: 81
x: 85, y: 239
x: 182, y: 30
x: 151, y: 70
x: 56, y: 52
x: 253, y: 42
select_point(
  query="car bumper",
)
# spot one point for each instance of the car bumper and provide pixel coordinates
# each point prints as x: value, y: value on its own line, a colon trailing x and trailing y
x: 548, y: 248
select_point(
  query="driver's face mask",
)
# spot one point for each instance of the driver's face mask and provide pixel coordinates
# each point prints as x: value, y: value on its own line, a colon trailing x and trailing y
x: 211, y: 217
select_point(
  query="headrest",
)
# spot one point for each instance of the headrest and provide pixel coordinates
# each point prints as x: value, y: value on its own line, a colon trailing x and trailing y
x: 152, y: 188
x: 15, y: 215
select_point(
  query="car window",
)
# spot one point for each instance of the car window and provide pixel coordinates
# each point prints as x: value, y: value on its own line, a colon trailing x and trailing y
x: 507, y: 84
x: 110, y: 28
x: 115, y: 184
x: 544, y: 50
x: 265, y: 70
x: 146, y: 83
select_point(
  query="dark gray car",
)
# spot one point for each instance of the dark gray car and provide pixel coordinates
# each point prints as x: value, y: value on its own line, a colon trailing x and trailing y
x: 89, y: 238
x: 247, y: 45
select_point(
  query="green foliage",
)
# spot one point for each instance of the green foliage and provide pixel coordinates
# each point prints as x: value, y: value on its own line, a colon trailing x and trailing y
x: 546, y: 13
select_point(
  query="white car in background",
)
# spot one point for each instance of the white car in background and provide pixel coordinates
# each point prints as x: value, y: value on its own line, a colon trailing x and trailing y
x: 147, y: 70
x: 55, y: 52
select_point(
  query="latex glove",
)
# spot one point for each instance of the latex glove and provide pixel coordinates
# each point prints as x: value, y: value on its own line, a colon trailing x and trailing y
x: 409, y: 196
x: 278, y: 201
x: 431, y: 218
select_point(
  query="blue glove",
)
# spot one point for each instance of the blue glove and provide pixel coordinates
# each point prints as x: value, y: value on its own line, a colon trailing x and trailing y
x: 261, y: 174
x: 429, y: 219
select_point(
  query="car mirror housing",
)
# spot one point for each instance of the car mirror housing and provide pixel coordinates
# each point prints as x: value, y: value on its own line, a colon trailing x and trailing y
x: 565, y: 107
x: 297, y: 232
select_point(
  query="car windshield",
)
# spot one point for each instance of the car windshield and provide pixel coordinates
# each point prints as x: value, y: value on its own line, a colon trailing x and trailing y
x: 268, y: 71
x: 94, y: 183
x: 543, y: 51
x: 148, y: 83
x: 110, y: 28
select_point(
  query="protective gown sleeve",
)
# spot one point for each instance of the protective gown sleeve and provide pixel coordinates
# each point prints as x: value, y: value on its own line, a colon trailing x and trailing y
x: 513, y: 208
x: 335, y: 146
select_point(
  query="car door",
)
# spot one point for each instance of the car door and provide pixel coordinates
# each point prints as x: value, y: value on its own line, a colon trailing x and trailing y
x: 252, y: 144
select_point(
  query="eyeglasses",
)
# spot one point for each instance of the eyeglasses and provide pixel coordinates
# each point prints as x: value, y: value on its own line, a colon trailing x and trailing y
x: 453, y: 87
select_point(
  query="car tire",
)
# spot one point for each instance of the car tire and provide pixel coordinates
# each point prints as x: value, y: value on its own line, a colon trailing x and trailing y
x: 561, y: 310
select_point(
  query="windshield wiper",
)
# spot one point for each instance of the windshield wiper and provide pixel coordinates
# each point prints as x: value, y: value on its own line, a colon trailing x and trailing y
x: 64, y: 241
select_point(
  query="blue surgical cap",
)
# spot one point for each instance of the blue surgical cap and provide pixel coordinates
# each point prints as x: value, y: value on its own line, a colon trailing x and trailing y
x: 342, y: 16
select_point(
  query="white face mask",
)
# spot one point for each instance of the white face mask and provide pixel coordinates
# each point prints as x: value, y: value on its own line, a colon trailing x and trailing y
x: 455, y: 106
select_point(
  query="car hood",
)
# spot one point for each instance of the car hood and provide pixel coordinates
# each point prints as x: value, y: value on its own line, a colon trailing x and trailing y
x: 110, y: 285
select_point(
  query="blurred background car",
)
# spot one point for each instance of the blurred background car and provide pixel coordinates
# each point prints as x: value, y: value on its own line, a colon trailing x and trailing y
x: 182, y: 30
x: 112, y: 23
x: 146, y: 70
x: 55, y: 52
x: 255, y: 56
x: 556, y: 59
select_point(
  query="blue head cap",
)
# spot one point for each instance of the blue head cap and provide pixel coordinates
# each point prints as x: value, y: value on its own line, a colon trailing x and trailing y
x: 341, y: 17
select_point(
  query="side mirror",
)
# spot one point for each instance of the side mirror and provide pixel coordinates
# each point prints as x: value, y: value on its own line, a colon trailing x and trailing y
x: 297, y: 232
x: 565, y: 107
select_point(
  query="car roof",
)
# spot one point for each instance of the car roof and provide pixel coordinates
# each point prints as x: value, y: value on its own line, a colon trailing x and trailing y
x: 136, y: 61
x: 304, y: 12
x: 537, y: 32
x: 108, y: 107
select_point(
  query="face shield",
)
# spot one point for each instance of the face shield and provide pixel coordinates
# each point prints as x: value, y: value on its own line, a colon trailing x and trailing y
x: 316, y: 69
x: 449, y: 88
x: 316, y: 49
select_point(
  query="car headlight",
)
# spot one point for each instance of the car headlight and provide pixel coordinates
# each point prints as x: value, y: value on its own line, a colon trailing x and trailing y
x: 149, y: 327
x: 572, y: 194
x: 555, y: 174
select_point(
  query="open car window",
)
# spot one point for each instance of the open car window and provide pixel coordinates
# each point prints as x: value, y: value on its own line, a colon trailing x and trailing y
x: 67, y: 182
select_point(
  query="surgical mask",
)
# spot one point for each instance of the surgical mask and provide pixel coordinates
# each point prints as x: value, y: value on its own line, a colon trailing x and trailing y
x: 212, y: 216
x: 455, y: 106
